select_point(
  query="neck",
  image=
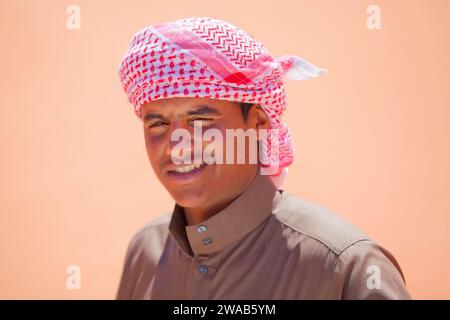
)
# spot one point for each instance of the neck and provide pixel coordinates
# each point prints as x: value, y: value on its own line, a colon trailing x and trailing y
x: 199, y: 214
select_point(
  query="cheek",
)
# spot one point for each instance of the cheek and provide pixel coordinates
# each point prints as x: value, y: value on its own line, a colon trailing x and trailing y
x: 236, y: 148
x: 155, y: 147
x: 153, y: 140
x: 220, y: 144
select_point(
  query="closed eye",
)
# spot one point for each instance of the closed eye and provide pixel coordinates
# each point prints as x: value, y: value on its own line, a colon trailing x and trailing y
x: 201, y: 119
x: 157, y: 124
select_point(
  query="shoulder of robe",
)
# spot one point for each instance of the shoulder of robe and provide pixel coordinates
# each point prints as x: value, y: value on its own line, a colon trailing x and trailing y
x: 153, y: 231
x: 318, y: 222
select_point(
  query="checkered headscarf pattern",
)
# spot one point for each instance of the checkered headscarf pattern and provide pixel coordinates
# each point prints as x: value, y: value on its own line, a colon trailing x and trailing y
x: 205, y: 57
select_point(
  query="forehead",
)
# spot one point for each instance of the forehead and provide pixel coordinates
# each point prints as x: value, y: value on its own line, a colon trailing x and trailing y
x: 183, y: 104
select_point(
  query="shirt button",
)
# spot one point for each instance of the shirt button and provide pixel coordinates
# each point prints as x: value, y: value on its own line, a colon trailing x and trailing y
x: 207, y: 241
x: 201, y: 228
x: 202, y: 268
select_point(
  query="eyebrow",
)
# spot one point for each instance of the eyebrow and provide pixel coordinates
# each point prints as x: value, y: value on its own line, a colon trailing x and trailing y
x: 202, y: 110
x: 150, y: 116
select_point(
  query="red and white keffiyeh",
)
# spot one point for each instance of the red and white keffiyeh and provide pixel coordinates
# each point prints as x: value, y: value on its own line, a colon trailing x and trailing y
x: 210, y: 58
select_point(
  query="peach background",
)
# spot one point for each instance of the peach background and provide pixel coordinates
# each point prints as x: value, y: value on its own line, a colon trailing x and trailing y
x: 372, y: 137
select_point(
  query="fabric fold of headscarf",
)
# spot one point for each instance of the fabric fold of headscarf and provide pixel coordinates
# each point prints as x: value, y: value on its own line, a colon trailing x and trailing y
x: 211, y: 58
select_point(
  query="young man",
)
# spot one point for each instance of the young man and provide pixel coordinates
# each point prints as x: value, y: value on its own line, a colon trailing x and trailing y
x: 234, y: 233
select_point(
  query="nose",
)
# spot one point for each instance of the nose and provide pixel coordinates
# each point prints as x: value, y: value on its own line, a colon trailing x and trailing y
x: 180, y: 142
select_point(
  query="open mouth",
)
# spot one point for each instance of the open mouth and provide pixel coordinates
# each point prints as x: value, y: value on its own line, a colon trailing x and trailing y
x: 187, y: 172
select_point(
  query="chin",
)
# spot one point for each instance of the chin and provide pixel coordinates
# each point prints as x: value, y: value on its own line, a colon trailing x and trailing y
x: 189, y: 198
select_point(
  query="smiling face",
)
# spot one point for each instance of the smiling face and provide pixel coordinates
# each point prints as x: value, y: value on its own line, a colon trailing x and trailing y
x: 211, y: 186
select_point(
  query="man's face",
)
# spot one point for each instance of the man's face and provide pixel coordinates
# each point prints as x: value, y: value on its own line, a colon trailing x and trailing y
x: 211, y: 184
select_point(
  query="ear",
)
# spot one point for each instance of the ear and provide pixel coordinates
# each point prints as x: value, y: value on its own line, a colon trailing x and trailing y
x: 262, y: 120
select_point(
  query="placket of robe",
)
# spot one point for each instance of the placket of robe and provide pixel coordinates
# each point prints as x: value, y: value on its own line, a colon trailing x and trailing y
x: 200, y: 280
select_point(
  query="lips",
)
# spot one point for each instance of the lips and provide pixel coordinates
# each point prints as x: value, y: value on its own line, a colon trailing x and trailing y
x: 186, y: 168
x: 186, y: 172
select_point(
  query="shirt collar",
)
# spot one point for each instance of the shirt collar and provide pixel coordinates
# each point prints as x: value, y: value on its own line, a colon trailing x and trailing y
x: 240, y: 217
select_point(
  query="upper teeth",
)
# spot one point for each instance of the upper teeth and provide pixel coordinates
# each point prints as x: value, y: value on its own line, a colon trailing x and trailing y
x: 187, y: 168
